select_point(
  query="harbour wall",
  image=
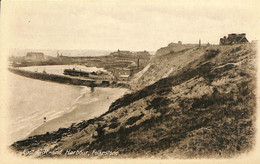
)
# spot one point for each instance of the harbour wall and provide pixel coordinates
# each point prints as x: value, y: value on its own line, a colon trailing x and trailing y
x: 65, y: 79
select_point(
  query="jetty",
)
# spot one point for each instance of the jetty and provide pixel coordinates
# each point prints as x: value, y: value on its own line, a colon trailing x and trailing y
x: 68, y: 80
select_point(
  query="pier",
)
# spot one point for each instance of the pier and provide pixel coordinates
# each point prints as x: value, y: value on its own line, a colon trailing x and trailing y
x: 68, y: 80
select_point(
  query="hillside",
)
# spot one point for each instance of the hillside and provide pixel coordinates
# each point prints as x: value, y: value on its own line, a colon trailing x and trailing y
x: 167, y: 61
x: 205, y: 107
x: 174, y: 47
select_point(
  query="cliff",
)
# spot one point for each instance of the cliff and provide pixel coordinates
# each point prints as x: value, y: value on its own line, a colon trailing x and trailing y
x: 174, y: 47
x: 204, y: 108
x: 167, y: 61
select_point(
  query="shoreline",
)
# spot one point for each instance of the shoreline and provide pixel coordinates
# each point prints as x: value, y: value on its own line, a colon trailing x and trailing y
x: 86, y: 105
x: 31, y: 99
x: 84, y: 111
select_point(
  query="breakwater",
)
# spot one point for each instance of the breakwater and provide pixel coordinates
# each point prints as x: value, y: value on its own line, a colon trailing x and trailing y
x: 66, y: 79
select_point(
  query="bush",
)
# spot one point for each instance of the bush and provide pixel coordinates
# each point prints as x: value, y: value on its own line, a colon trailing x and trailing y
x: 133, y: 119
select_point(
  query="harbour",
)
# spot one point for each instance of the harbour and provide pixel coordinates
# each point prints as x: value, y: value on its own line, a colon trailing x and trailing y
x: 69, y: 103
x: 68, y: 80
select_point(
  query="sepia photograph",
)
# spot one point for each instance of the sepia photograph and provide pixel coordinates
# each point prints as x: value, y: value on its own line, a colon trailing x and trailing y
x: 162, y: 80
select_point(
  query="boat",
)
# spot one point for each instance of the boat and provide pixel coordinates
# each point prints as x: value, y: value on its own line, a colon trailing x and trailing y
x: 74, y: 72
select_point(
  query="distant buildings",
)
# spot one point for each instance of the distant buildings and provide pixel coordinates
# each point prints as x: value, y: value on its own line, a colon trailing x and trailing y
x: 35, y: 56
x: 133, y: 55
x: 124, y: 74
x: 233, y: 39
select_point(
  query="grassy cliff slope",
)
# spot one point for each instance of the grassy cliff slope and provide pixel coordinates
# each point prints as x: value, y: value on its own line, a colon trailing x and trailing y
x: 167, y: 60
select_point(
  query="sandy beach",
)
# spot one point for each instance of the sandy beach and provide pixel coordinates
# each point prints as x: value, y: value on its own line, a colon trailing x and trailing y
x: 61, y: 104
x: 103, y: 97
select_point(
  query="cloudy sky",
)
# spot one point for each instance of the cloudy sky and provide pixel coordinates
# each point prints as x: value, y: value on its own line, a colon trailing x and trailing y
x: 143, y: 25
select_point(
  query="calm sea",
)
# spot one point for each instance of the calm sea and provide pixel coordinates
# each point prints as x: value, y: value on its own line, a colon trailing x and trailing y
x: 31, y: 100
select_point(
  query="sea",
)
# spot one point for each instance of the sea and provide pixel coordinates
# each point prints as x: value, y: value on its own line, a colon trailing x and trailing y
x: 36, y: 106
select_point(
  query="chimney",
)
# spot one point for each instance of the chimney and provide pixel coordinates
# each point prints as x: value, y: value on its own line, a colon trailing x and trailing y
x: 138, y: 63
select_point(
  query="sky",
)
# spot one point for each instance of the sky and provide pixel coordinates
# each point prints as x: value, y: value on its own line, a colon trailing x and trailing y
x: 126, y: 25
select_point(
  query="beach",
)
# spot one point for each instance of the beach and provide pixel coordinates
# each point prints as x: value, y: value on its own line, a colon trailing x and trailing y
x: 91, y: 105
x: 31, y: 100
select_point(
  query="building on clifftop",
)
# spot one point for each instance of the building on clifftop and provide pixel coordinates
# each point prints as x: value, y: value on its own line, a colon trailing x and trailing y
x: 233, y: 39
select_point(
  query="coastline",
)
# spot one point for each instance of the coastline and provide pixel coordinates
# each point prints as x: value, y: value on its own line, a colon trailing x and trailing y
x: 30, y: 100
x: 73, y: 107
x: 85, y: 111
